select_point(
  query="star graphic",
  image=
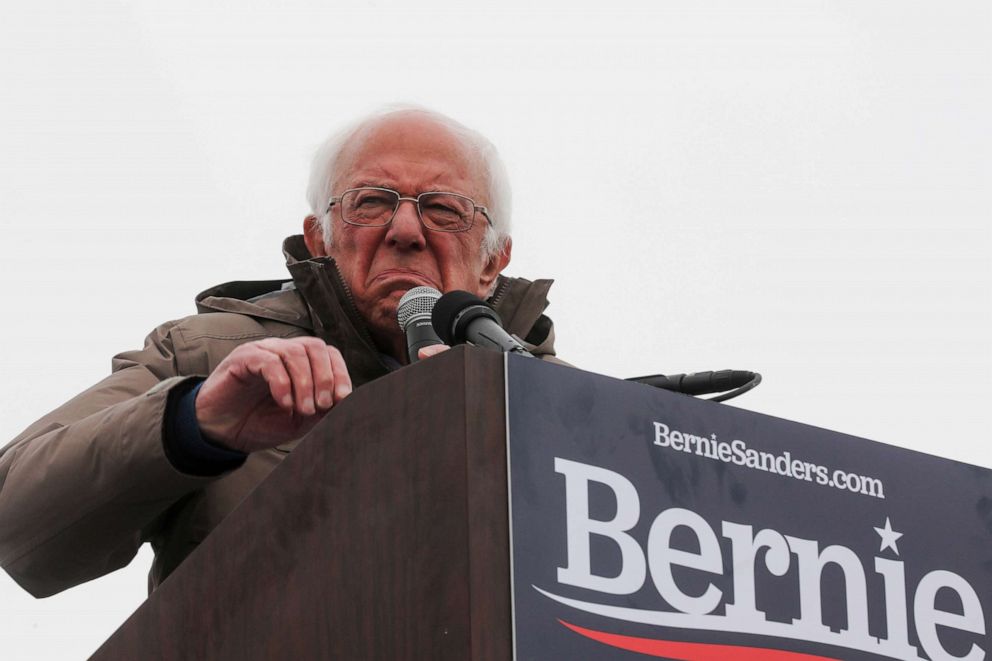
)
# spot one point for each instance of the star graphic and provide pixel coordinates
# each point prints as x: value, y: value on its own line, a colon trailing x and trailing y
x: 889, y: 537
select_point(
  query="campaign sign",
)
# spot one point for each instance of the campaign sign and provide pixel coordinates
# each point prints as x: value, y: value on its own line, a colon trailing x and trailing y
x: 646, y: 524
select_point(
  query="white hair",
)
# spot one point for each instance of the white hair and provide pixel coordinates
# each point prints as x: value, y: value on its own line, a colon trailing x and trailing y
x: 323, y: 171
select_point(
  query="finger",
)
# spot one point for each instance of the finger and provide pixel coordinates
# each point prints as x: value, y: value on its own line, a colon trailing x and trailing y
x: 432, y: 350
x: 297, y: 363
x: 342, y: 380
x: 322, y: 372
x: 271, y: 369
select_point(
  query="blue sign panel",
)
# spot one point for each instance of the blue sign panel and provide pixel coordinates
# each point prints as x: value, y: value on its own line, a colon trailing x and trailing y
x: 646, y: 524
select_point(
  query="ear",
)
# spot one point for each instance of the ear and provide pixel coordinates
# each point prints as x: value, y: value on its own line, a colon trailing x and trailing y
x: 493, y: 268
x: 313, y: 236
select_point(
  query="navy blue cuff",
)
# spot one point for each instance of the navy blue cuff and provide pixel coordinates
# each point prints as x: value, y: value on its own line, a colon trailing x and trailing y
x: 187, y: 449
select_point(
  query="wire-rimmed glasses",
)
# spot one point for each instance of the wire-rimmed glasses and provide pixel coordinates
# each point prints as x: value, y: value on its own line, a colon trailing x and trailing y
x: 370, y: 206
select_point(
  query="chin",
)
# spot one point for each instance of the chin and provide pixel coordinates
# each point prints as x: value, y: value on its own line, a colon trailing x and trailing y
x: 384, y: 313
x: 384, y: 327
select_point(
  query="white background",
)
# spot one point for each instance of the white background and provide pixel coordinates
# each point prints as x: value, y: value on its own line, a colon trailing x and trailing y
x: 797, y: 188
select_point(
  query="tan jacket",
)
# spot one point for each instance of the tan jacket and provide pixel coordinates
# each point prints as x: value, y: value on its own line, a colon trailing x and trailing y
x: 82, y: 488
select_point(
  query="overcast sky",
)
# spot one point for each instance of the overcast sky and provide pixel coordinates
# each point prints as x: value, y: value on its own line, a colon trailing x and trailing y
x: 795, y: 188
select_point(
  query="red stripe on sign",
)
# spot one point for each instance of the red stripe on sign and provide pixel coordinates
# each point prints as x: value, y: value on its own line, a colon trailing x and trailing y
x: 692, y: 651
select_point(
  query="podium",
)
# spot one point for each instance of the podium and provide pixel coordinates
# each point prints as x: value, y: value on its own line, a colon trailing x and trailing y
x: 383, y: 535
x: 480, y: 506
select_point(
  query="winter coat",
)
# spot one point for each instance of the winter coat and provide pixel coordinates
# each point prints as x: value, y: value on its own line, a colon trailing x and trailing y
x: 86, y: 485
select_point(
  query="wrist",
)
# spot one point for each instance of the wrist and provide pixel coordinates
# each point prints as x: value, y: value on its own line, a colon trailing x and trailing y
x: 188, y: 447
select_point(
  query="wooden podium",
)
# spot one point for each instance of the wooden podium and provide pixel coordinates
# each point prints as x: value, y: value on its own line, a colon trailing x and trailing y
x: 383, y: 535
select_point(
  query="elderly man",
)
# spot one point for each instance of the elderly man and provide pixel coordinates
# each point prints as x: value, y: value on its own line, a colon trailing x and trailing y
x: 168, y: 444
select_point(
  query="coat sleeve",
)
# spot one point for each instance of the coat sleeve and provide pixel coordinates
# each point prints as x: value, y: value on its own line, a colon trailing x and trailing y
x: 80, y: 489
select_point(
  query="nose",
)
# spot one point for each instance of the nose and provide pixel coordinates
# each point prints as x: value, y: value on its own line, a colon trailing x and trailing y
x: 406, y: 231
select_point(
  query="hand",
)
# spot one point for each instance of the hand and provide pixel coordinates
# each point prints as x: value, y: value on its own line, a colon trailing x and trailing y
x: 269, y: 392
x: 431, y: 350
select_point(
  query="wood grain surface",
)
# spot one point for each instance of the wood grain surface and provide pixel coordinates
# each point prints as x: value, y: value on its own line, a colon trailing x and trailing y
x: 383, y: 535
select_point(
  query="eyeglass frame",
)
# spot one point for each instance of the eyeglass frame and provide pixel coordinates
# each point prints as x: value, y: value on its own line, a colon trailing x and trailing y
x: 416, y: 202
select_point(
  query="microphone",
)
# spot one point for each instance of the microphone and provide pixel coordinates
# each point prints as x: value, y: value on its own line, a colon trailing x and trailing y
x: 414, y: 317
x: 703, y: 383
x: 461, y: 317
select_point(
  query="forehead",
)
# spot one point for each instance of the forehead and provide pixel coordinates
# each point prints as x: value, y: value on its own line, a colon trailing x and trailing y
x: 410, y: 153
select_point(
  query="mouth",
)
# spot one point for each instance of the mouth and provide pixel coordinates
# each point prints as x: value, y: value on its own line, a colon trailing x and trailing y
x: 404, y: 277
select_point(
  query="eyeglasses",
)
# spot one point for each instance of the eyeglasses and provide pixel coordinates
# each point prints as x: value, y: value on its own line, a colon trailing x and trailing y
x: 376, y: 207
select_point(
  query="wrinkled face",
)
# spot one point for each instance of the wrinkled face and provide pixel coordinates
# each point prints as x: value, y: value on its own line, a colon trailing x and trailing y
x: 409, y: 154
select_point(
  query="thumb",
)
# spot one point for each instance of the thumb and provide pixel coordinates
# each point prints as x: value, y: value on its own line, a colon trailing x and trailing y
x: 432, y: 350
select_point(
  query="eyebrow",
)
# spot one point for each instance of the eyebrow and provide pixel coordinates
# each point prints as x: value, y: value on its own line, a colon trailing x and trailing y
x: 369, y: 183
x: 366, y: 183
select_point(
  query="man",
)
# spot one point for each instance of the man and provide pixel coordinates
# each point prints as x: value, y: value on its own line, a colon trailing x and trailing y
x: 183, y: 429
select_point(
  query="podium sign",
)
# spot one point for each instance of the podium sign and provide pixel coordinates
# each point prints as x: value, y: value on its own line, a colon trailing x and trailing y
x: 646, y: 524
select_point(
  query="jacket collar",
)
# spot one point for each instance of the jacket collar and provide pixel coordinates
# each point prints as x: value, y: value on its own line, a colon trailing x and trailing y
x: 318, y: 300
x: 332, y: 312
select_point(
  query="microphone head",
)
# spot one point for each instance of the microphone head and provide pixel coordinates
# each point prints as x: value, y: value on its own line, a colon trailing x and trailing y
x: 454, y: 310
x: 417, y: 303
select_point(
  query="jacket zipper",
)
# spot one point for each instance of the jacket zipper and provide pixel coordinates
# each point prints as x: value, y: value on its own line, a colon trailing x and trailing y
x: 500, y: 291
x: 352, y: 309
